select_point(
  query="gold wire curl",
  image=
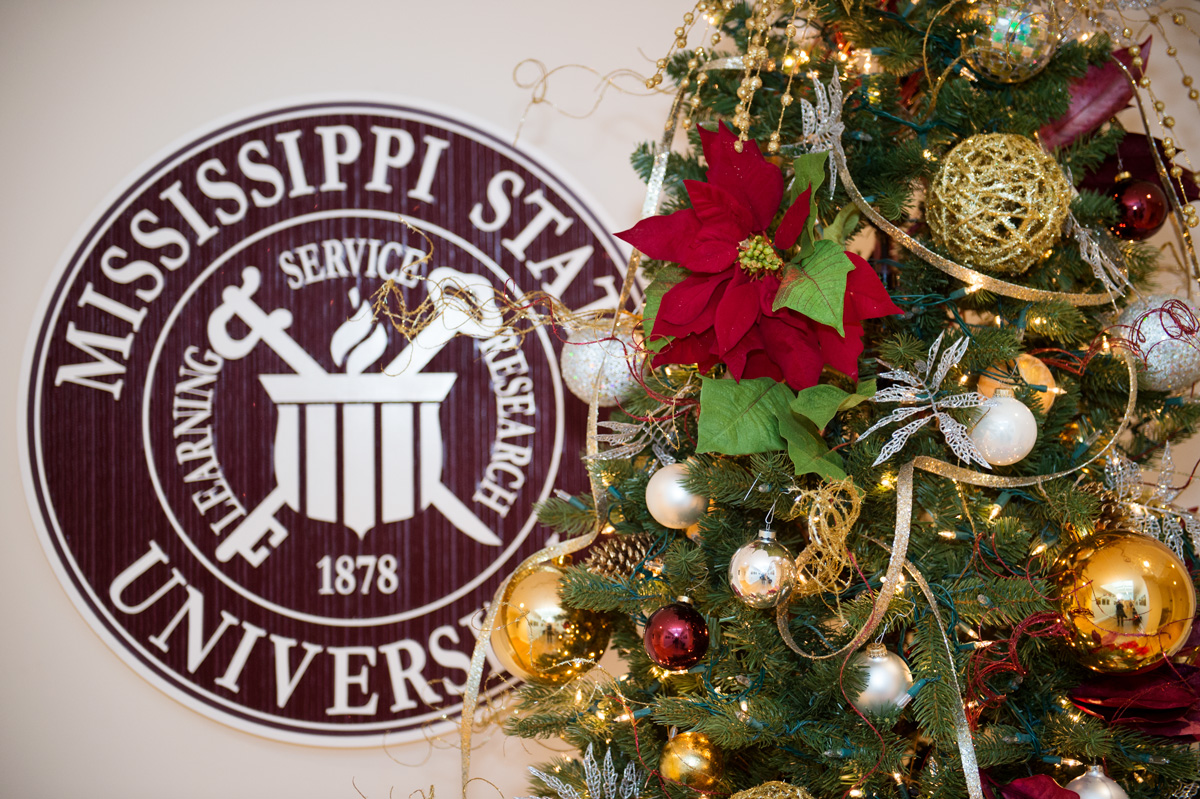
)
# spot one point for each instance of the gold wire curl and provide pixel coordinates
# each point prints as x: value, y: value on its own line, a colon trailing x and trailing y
x: 822, y: 567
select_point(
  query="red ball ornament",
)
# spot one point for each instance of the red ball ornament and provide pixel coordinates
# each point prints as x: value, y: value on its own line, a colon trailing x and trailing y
x: 1143, y: 206
x: 676, y: 636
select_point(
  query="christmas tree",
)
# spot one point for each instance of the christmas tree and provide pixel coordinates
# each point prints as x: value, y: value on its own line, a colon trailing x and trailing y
x: 868, y: 516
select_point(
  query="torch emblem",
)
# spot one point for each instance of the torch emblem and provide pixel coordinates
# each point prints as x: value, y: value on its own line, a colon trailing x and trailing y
x: 328, y: 420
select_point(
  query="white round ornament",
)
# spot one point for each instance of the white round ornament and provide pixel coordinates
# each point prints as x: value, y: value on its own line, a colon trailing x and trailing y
x: 669, y: 502
x: 1095, y: 784
x: 594, y: 352
x: 1172, y: 363
x: 1007, y: 430
x: 888, y: 680
x: 762, y: 571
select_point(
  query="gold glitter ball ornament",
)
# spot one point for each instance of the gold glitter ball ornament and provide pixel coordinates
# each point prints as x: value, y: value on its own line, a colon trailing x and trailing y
x: 691, y: 759
x: 773, y: 790
x: 998, y: 203
x: 1017, y: 41
x: 536, y: 635
x: 1126, y: 599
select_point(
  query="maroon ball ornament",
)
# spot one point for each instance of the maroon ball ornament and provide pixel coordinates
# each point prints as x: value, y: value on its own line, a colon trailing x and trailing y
x: 1143, y: 207
x: 676, y: 636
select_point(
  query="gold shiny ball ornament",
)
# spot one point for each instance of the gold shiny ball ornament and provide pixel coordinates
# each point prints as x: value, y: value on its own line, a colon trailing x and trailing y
x: 535, y: 634
x: 1126, y: 599
x: 692, y: 760
x: 1032, y: 371
x: 998, y: 203
x: 1017, y: 41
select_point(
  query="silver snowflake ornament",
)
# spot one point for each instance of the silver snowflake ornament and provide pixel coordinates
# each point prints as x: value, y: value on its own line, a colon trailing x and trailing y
x: 601, y: 780
x: 920, y: 393
x: 823, y: 126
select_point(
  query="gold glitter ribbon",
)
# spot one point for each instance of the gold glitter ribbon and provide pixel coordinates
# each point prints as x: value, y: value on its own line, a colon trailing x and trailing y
x: 963, y: 273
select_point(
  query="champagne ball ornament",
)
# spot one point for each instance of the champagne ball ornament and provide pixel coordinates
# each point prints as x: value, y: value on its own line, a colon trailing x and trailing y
x: 1017, y: 41
x: 669, y: 502
x: 1143, y: 207
x: 1126, y: 599
x: 1032, y: 371
x: 1007, y: 431
x: 762, y: 571
x: 536, y: 633
x: 888, y: 680
x: 592, y: 352
x: 1172, y: 363
x: 998, y: 203
x: 691, y: 759
x: 1095, y: 784
x: 676, y: 636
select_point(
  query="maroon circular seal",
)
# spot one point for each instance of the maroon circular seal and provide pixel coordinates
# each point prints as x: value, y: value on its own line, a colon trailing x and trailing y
x: 266, y: 500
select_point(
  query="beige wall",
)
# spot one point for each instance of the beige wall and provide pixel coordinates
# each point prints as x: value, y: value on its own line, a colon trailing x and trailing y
x: 90, y: 91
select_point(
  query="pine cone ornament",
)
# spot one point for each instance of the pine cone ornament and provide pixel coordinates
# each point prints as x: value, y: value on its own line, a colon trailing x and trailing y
x: 618, y: 555
x: 1114, y: 513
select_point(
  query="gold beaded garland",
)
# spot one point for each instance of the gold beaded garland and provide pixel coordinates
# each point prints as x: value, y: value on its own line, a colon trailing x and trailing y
x: 998, y: 203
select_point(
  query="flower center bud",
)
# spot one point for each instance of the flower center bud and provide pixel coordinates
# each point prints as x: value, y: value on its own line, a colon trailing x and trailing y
x: 757, y: 254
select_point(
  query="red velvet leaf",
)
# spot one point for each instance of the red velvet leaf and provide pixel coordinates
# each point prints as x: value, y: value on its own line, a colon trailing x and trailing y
x: 1095, y: 97
x: 1037, y: 787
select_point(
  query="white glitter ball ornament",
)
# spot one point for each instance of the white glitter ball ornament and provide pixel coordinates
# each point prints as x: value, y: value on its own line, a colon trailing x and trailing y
x: 1172, y: 357
x: 888, y: 680
x: 761, y: 572
x: 1095, y: 784
x: 593, y: 351
x: 1007, y: 430
x: 669, y: 502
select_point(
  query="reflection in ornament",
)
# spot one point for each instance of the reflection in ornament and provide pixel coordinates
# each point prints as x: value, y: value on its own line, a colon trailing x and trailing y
x: 537, y: 637
x: 1018, y: 39
x: 762, y: 571
x: 691, y: 759
x: 1127, y: 599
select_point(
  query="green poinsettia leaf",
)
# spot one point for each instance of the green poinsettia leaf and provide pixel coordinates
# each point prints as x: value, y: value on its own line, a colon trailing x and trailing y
x: 816, y: 287
x: 808, y: 451
x: 845, y: 221
x: 667, y: 278
x: 741, y: 418
x: 862, y: 392
x: 810, y: 173
x: 819, y: 403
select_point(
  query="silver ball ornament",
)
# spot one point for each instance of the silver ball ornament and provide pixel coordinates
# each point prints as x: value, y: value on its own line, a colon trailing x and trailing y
x: 1095, y: 784
x: 1007, y: 430
x: 888, y: 680
x: 669, y: 502
x: 1172, y: 364
x: 762, y: 571
x: 594, y: 353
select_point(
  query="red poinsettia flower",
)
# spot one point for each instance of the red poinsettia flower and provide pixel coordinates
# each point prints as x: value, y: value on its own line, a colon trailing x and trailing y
x: 722, y: 311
